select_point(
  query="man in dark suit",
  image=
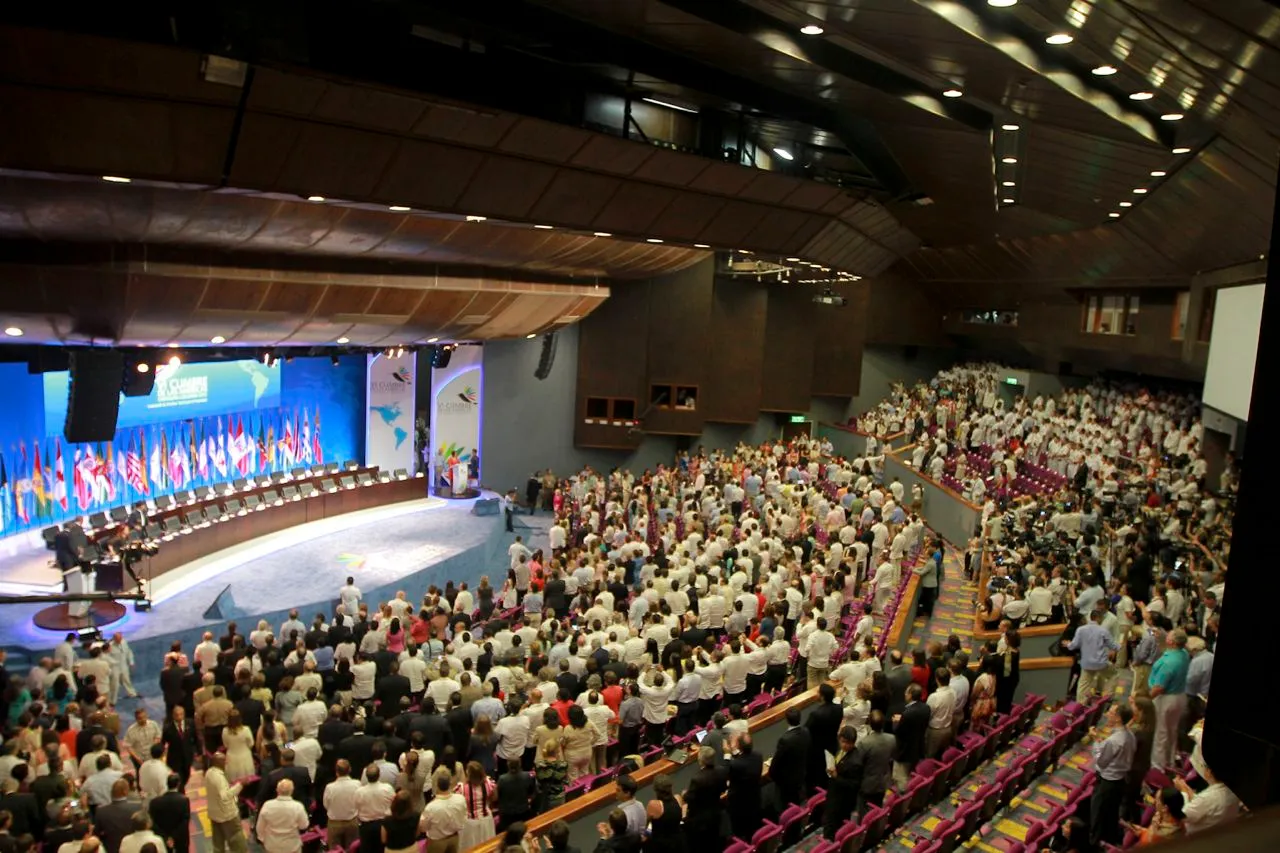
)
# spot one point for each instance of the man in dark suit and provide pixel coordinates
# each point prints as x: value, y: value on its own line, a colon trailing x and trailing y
x: 227, y: 640
x: 171, y: 685
x: 356, y: 748
x: 458, y: 721
x: 898, y: 675
x: 566, y: 680
x: 791, y: 761
x: 876, y: 749
x: 392, y: 687
x: 179, y: 739
x: 432, y: 726
x: 171, y: 816
x: 844, y: 784
x: 114, y: 821
x: 909, y: 731
x: 703, y: 820
x: 299, y: 776
x: 555, y: 598
x: 745, y: 771
x: 824, y: 726
x: 85, y: 736
x: 23, y: 807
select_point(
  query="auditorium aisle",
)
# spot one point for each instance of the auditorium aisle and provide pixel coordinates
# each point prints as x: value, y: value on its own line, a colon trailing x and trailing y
x: 953, y: 611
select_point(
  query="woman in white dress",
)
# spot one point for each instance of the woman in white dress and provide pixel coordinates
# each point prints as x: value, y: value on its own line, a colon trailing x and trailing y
x: 238, y: 740
x: 480, y: 794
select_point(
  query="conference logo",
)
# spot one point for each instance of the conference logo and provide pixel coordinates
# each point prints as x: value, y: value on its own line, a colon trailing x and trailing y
x: 468, y: 395
x: 402, y: 375
x: 172, y: 389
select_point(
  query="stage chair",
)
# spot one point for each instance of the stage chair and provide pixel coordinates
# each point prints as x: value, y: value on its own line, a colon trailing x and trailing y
x: 291, y: 493
x: 328, y: 485
x: 401, y: 474
x: 253, y: 502
x: 308, y: 489
x: 350, y: 465
x: 364, y: 478
x: 347, y: 482
x: 272, y: 498
x: 317, y: 469
x: 298, y: 473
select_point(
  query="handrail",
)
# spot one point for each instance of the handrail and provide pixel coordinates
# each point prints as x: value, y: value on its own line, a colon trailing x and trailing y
x: 981, y: 633
x: 901, y: 622
x: 845, y: 428
x: 950, y: 492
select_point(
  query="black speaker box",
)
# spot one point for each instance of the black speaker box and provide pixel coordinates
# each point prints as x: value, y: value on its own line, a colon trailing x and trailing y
x: 93, y: 402
x: 139, y: 384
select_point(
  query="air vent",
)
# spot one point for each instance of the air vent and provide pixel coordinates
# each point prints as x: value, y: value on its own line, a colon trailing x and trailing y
x: 473, y: 319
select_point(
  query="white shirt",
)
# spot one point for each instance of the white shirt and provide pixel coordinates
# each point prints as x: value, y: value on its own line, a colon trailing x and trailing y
x: 513, y: 736
x: 153, y: 778
x: 364, y: 674
x: 350, y: 596
x: 306, y: 753
x: 413, y: 668
x: 942, y: 705
x: 818, y: 649
x: 1212, y: 806
x: 444, y: 816
x: 373, y: 801
x: 280, y: 824
x: 340, y: 798
x: 207, y: 653
x: 135, y: 841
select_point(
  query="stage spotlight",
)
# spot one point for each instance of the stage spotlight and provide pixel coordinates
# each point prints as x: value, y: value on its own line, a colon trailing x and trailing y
x: 333, y: 359
x: 143, y: 367
x: 174, y: 361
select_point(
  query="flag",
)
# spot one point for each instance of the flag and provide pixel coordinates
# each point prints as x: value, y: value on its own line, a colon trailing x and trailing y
x: 37, y: 483
x: 111, y: 468
x: 165, y: 482
x: 82, y: 479
x: 179, y: 463
x: 260, y: 463
x: 316, y: 449
x: 22, y: 487
x: 136, y: 473
x: 156, y: 465
x: 296, y: 439
x: 271, y: 445
x: 59, y: 478
x: 286, y: 444
x: 236, y: 446
x: 5, y: 495
x: 304, y: 438
x: 218, y: 451
x: 202, y: 455
x: 250, y: 448
x: 104, y: 488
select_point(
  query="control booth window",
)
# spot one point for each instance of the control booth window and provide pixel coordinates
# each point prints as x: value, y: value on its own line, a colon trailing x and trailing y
x: 991, y: 318
x: 1111, y: 315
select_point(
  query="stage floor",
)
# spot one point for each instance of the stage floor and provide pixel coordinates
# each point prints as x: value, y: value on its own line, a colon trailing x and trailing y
x: 302, y: 567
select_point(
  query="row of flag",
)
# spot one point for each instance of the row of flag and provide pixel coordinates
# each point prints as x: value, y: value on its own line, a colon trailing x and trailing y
x: 150, y: 461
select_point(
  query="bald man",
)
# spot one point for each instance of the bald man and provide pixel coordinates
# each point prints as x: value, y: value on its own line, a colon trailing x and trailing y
x: 281, y: 821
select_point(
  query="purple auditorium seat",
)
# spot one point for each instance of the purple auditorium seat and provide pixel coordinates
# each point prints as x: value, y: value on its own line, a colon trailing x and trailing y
x: 825, y: 847
x: 876, y: 824
x: 767, y: 839
x: 970, y: 817
x: 850, y: 836
x: 738, y: 846
x: 792, y: 822
x: 946, y: 835
x: 898, y: 804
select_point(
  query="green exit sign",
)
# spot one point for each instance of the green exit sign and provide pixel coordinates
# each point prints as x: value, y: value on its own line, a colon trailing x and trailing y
x: 1011, y: 380
x: 798, y: 419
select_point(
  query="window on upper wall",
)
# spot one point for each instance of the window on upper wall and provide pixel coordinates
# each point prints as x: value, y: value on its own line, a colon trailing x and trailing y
x: 991, y: 318
x: 1181, y: 306
x: 1111, y: 315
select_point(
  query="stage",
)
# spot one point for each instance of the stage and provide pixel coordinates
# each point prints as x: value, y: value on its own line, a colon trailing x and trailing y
x: 403, y: 546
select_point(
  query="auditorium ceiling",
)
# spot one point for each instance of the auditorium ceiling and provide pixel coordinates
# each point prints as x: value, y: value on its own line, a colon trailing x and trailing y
x: 979, y: 150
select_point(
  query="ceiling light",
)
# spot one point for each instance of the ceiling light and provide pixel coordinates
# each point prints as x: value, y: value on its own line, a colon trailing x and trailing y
x: 953, y: 93
x: 1009, y: 160
x: 398, y: 208
x: 544, y: 227
x: 1002, y: 4
x: 702, y: 245
x: 812, y: 30
x: 1158, y: 173
x: 1007, y: 183
x: 174, y: 361
x: 1140, y: 191
x: 217, y: 339
x: 315, y: 198
x: 1172, y: 117
x: 793, y: 260
x: 116, y: 179
x: 1009, y: 127
x: 1142, y: 96
x: 669, y: 105
x: 476, y: 218
x: 1182, y: 151
x: 784, y: 154
x: 653, y: 240
x: 1126, y: 204
x: 13, y: 332
x: 172, y: 345
x: 432, y: 340
x: 1105, y: 70
x: 530, y: 336
x: 601, y: 234
x: 343, y: 340
x: 1006, y: 201
x: 143, y: 367
x: 1114, y: 215
x: 1060, y: 38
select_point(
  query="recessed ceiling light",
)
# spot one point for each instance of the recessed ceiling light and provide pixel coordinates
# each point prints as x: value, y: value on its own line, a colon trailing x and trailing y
x: 1007, y: 183
x: 476, y: 218
x: 13, y: 332
x: 669, y: 105
x: 116, y: 179
x: 1159, y: 173
x: 601, y: 234
x: 174, y: 361
x: 1009, y: 127
x: 812, y: 30
x: 1140, y: 191
x: 1002, y: 4
x: 1172, y: 117
x: 172, y: 345
x: 793, y: 260
x: 744, y: 251
x: 653, y: 240
x: 1126, y: 204
x: 702, y: 245
x: 315, y: 198
x: 1006, y: 201
x: 544, y: 227
x: 1009, y: 160
x: 398, y: 208
x: 1182, y: 151
x: 953, y: 93
x: 784, y: 154
x: 1060, y: 38
x: 432, y: 340
x: 343, y: 340
x: 143, y: 367
x: 1114, y: 215
x: 217, y: 339
x: 1105, y: 70
x: 531, y: 336
x: 1142, y: 96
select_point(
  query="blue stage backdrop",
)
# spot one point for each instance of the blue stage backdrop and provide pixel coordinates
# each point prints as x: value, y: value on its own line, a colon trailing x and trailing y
x: 203, y: 424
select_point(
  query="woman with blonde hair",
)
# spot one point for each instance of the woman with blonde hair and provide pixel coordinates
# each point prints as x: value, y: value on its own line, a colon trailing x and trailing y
x: 238, y: 741
x: 552, y: 773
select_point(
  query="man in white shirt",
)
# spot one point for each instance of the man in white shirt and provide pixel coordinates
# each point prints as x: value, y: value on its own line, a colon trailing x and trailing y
x: 350, y: 597
x: 308, y: 716
x: 557, y: 537
x: 153, y: 774
x: 223, y: 804
x: 942, y: 708
x: 142, y: 835
x: 513, y: 736
x: 306, y: 749
x: 444, y: 816
x: 365, y: 673
x: 817, y: 650
x: 281, y: 821
x: 207, y: 652
x: 65, y: 653
x: 373, y: 805
x: 441, y: 687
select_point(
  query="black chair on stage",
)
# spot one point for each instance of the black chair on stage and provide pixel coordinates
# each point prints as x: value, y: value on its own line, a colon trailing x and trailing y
x: 154, y: 531
x: 172, y: 526
x: 119, y: 514
x: 328, y: 485
x: 239, y: 484
x: 186, y: 497
x: 291, y: 493
x: 364, y: 478
x: 235, y: 507
x: 350, y: 465
x: 401, y: 474
x: 331, y: 468
x: 279, y: 477
x: 164, y: 502
x: 384, y: 476
x: 271, y: 498
x: 347, y: 482
x: 308, y: 489
x: 317, y: 469
x: 252, y: 502
x: 98, y: 520
x: 48, y: 535
x: 298, y: 473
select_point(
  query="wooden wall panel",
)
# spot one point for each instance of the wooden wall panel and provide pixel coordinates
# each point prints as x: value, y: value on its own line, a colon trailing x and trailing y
x: 678, y: 345
x: 839, y: 335
x: 786, y: 378
x: 612, y: 362
x: 735, y: 333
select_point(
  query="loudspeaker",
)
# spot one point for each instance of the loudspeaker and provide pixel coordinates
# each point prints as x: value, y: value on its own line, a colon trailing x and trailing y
x: 441, y: 355
x: 93, y: 401
x: 548, y: 357
x: 139, y: 384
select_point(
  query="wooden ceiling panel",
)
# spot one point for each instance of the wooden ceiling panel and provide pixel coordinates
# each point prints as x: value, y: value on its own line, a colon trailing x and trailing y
x: 634, y: 209
x: 575, y: 197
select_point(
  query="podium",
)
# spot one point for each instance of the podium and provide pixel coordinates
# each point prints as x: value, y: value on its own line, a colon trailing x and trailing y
x: 73, y: 615
x: 78, y: 583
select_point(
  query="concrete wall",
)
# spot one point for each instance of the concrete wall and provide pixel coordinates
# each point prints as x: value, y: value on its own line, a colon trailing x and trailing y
x: 952, y: 518
x: 883, y: 366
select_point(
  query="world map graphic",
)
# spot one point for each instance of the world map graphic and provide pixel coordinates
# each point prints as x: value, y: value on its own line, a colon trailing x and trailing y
x: 261, y: 381
x: 390, y: 415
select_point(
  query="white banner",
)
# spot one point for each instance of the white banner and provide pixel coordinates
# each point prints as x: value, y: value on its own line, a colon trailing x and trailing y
x: 457, y: 399
x: 389, y: 420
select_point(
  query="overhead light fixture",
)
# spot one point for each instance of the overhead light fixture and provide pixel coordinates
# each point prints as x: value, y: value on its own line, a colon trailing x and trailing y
x: 1060, y: 38
x: 1009, y: 160
x: 1006, y: 201
x: 1142, y: 96
x: 1182, y: 150
x: 13, y: 332
x: 143, y: 367
x: 217, y: 339
x: 793, y: 260
x: 812, y: 30
x: 784, y: 154
x: 1114, y: 215
x: 1010, y: 127
x: 1140, y: 191
x: 116, y: 179
x: 1159, y: 173
x: 267, y: 358
x: 398, y: 208
x: 343, y: 340
x: 601, y: 234
x: 1172, y: 117
x: 1002, y: 4
x: 476, y: 218
x: 953, y: 93
x: 432, y: 340
x: 172, y: 345
x: 544, y: 227
x: 1105, y: 70
x: 669, y: 105
x: 315, y: 198
x: 1008, y: 183
x: 702, y: 245
x: 1126, y: 204
x: 174, y: 361
x: 530, y: 336
x: 653, y: 240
